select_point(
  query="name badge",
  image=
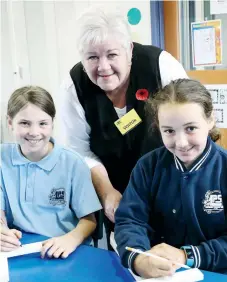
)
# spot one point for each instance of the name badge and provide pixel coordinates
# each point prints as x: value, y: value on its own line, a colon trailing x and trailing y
x: 128, y: 122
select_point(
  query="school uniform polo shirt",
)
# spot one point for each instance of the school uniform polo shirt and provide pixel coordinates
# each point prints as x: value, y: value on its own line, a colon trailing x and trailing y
x: 47, y: 197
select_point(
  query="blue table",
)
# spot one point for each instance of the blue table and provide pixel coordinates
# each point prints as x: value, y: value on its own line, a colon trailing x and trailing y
x: 86, y: 264
x: 214, y: 277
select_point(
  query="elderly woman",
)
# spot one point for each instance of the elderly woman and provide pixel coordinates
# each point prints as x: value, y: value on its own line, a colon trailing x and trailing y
x: 110, y: 84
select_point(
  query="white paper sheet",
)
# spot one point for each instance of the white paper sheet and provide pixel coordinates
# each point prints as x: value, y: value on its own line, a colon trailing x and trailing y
x: 25, y: 249
x: 204, y: 46
x: 4, y: 270
x: 206, y: 43
x: 191, y: 275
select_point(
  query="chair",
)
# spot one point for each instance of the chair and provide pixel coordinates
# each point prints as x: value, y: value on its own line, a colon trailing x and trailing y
x: 98, y: 233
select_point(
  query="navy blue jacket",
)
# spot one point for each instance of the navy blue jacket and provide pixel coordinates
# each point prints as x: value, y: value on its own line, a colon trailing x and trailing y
x: 165, y: 202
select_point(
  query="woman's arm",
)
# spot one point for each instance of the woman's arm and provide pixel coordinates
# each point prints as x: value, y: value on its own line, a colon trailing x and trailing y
x: 170, y: 68
x: 73, y: 131
x: 109, y: 196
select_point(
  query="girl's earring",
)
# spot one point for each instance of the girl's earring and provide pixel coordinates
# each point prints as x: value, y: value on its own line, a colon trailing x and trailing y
x: 84, y: 70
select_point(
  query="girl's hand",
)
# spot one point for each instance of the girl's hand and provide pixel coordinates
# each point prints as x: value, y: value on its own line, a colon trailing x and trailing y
x: 169, y: 252
x: 9, y: 239
x: 149, y: 267
x: 61, y: 246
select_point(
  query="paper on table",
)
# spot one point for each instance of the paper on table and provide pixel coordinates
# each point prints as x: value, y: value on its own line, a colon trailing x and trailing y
x: 25, y: 249
x: 191, y: 275
x: 4, y: 273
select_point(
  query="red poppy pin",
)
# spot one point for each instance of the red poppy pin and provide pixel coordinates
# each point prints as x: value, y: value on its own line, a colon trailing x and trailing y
x: 142, y: 94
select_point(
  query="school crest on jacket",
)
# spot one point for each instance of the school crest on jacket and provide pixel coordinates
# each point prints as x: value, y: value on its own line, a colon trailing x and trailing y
x: 213, y: 202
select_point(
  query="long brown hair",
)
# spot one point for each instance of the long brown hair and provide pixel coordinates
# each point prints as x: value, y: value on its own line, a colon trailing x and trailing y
x: 184, y: 91
x: 31, y: 94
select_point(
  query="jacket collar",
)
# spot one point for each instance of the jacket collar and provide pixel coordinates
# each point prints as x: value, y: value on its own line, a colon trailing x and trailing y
x: 199, y: 162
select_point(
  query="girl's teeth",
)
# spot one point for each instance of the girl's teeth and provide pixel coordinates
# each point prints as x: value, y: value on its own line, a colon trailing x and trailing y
x: 33, y: 141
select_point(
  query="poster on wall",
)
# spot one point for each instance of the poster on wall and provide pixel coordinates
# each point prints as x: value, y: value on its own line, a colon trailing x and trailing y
x: 206, y: 43
x: 219, y: 97
x: 218, y: 7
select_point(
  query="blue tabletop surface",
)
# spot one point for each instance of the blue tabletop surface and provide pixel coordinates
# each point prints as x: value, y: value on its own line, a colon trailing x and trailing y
x: 86, y: 264
x: 214, y: 277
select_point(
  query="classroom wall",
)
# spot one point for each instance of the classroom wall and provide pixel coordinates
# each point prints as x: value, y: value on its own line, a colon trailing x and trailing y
x: 39, y: 45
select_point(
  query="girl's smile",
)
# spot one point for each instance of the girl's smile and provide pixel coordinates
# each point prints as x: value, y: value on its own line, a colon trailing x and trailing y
x: 184, y: 130
x: 32, y: 129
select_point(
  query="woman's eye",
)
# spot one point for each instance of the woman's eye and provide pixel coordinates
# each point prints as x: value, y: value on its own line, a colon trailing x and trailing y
x: 111, y: 56
x: 92, y: 58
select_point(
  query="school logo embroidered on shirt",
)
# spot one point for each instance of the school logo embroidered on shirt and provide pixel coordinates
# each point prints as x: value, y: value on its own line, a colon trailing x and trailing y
x: 213, y: 202
x: 57, y: 197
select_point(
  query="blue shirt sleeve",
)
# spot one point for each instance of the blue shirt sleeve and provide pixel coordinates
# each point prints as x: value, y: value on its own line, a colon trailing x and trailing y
x: 3, y: 202
x: 132, y: 226
x: 84, y: 199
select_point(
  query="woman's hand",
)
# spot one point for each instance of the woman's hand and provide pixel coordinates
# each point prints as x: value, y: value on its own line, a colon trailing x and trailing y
x: 111, y: 203
x: 109, y: 196
x: 10, y: 239
x: 61, y: 246
x: 149, y: 267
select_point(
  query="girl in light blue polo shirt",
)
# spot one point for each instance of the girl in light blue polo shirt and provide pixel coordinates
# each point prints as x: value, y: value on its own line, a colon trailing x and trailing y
x: 45, y: 188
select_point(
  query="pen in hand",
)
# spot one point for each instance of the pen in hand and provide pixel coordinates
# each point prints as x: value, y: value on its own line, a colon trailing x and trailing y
x: 155, y: 256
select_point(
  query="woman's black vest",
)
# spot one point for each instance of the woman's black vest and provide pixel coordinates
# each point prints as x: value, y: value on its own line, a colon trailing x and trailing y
x: 119, y: 153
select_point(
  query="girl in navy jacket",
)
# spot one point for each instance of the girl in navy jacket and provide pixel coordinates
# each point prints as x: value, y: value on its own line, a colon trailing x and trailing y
x: 175, y: 205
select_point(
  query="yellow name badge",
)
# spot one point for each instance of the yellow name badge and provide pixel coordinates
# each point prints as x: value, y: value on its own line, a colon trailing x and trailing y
x: 128, y: 122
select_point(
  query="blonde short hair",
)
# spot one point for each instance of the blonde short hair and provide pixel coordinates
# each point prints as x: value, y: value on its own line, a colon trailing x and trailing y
x: 99, y: 23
